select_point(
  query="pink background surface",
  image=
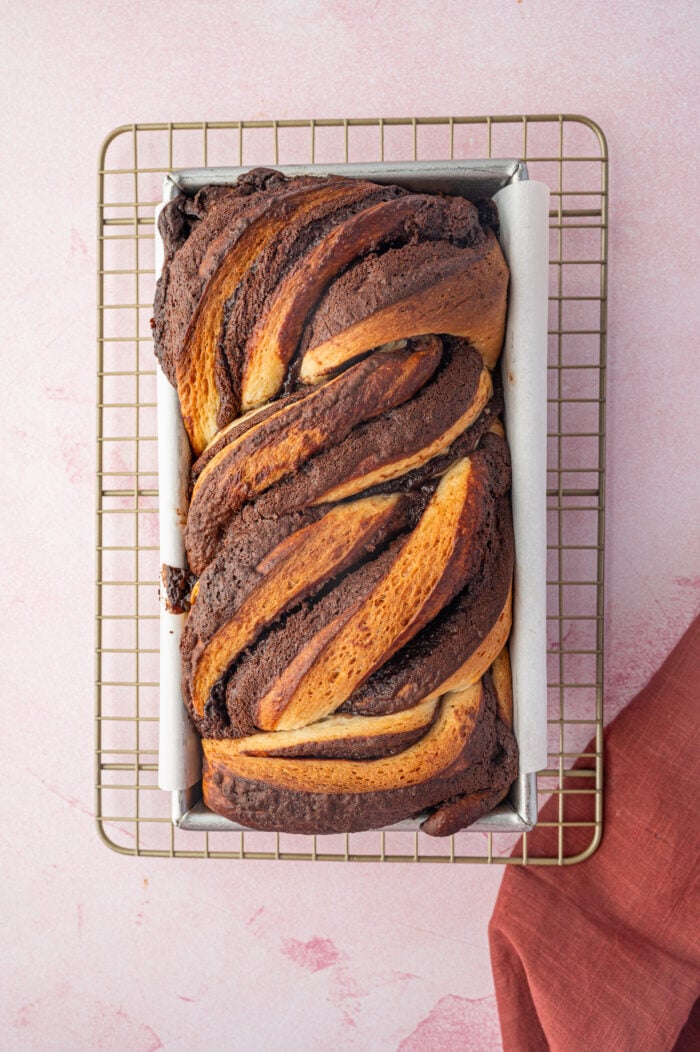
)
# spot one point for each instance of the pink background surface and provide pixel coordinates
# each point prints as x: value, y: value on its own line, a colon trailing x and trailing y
x: 102, y: 951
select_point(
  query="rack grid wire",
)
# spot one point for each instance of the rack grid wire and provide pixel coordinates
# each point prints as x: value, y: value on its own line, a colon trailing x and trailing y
x: 569, y: 153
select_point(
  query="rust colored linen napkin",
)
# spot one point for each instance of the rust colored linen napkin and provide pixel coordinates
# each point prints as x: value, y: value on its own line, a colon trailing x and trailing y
x: 605, y: 954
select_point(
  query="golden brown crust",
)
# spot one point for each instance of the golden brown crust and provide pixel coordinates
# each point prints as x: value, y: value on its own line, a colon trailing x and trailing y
x: 276, y: 337
x: 313, y: 554
x: 393, y: 469
x: 486, y: 763
x: 430, y: 757
x: 463, y: 810
x: 481, y: 659
x: 196, y: 384
x: 277, y: 445
x: 336, y: 731
x: 469, y: 301
x: 464, y: 628
x: 431, y: 567
x: 503, y: 686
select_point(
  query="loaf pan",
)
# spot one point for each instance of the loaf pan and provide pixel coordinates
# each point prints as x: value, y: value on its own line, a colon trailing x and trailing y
x: 525, y: 395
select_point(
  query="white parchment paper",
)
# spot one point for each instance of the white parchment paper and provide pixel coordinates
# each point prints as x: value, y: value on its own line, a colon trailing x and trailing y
x: 179, y: 751
x: 524, y: 213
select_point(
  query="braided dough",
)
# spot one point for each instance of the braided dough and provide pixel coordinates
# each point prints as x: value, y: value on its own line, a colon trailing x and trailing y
x: 333, y: 344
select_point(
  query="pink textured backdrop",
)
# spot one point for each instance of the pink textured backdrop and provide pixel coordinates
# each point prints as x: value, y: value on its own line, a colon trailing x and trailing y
x: 107, y: 952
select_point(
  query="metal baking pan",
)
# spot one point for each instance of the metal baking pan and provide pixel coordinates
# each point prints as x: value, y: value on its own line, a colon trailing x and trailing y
x: 471, y: 179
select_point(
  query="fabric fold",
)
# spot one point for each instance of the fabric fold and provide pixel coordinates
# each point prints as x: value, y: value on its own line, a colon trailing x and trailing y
x: 605, y: 954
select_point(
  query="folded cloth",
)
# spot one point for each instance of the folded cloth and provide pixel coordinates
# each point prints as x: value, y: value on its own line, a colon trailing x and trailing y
x: 605, y: 954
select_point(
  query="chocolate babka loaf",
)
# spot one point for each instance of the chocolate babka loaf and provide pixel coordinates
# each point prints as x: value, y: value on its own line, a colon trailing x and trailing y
x: 350, y: 551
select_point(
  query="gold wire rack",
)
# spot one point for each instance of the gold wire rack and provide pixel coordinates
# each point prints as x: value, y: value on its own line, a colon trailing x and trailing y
x: 569, y: 153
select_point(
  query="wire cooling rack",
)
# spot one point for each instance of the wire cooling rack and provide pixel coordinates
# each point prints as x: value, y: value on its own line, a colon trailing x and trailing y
x: 567, y: 152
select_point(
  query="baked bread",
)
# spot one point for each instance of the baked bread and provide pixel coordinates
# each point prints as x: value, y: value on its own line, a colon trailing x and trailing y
x: 333, y: 344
